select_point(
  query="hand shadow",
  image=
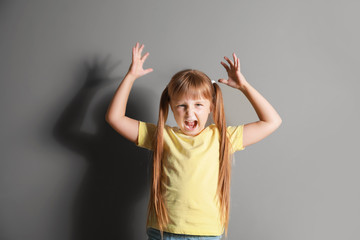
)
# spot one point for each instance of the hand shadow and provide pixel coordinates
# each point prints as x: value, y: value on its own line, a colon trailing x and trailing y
x: 117, y: 173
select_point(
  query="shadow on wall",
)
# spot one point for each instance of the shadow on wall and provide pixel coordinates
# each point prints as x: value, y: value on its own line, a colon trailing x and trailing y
x: 117, y: 174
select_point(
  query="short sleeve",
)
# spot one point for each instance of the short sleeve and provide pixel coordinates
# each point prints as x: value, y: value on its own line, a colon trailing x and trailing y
x: 146, y: 135
x: 236, y: 137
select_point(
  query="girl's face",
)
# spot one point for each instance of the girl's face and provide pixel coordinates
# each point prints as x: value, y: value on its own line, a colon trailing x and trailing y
x: 191, y: 114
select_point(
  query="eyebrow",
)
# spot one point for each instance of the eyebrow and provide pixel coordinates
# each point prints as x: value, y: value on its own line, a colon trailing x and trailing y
x: 197, y: 101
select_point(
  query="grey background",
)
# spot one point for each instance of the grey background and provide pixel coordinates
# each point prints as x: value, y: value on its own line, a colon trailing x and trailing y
x: 66, y: 174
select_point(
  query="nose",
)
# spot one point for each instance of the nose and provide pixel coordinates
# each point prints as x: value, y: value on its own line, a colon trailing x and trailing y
x: 189, y: 111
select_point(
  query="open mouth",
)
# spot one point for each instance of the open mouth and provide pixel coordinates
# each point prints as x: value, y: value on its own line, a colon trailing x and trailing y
x: 190, y: 125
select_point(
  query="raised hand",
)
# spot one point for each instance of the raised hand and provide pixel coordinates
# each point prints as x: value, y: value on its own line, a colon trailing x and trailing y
x: 235, y: 77
x: 136, y: 67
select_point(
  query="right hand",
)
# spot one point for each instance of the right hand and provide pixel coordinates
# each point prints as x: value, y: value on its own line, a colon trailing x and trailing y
x: 136, y: 68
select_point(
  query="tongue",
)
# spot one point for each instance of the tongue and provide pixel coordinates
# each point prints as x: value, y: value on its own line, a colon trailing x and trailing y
x: 191, y: 124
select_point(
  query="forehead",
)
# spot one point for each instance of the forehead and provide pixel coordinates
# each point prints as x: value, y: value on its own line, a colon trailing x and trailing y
x: 189, y: 99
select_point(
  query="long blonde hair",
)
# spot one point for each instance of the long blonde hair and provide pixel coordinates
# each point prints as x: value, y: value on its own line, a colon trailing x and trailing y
x: 193, y: 83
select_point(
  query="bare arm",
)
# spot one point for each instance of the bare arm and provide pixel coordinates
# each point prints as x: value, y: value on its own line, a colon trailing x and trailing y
x: 115, y: 116
x: 269, y: 118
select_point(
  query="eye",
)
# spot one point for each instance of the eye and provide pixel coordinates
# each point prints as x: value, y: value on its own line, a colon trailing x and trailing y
x: 198, y: 104
x: 181, y: 105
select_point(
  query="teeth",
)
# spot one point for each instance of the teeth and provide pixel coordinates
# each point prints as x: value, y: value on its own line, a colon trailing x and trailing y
x: 190, y: 124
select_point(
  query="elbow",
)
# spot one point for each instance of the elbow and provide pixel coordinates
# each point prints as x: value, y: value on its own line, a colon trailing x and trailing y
x: 278, y: 122
x: 111, y: 119
x: 275, y: 123
x: 107, y: 118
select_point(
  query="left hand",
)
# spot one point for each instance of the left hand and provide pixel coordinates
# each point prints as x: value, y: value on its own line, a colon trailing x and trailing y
x: 136, y: 67
x: 235, y: 77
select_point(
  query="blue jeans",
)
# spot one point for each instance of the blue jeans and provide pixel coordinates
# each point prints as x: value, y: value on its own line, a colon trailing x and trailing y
x: 154, y: 234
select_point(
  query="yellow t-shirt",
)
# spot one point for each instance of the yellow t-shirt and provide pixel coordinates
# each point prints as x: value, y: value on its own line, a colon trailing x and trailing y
x: 191, y: 168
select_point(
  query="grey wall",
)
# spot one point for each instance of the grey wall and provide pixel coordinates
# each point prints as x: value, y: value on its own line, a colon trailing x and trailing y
x: 66, y: 174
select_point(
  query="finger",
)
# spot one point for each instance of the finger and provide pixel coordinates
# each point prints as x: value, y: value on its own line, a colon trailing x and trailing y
x: 235, y: 60
x: 225, y: 66
x: 141, y: 48
x: 224, y: 81
x: 145, y: 56
x: 136, y: 49
x: 149, y: 70
x: 239, y: 63
x: 133, y: 53
x: 229, y: 61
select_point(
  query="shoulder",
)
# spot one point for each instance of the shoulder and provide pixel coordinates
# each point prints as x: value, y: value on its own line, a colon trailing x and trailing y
x: 229, y: 129
x: 146, y: 126
x: 232, y: 129
x: 235, y: 134
x: 213, y: 128
x: 146, y: 135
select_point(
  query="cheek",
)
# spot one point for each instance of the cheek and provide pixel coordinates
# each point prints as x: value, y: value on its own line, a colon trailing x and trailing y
x: 178, y: 114
x: 202, y: 114
x: 203, y: 111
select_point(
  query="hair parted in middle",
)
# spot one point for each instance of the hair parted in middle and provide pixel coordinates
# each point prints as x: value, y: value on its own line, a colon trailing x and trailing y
x: 195, y: 84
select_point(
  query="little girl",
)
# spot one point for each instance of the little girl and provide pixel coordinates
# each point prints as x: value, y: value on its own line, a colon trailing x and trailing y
x: 191, y: 172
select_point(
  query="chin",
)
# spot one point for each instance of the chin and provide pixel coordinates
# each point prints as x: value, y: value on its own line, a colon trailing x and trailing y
x: 192, y: 133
